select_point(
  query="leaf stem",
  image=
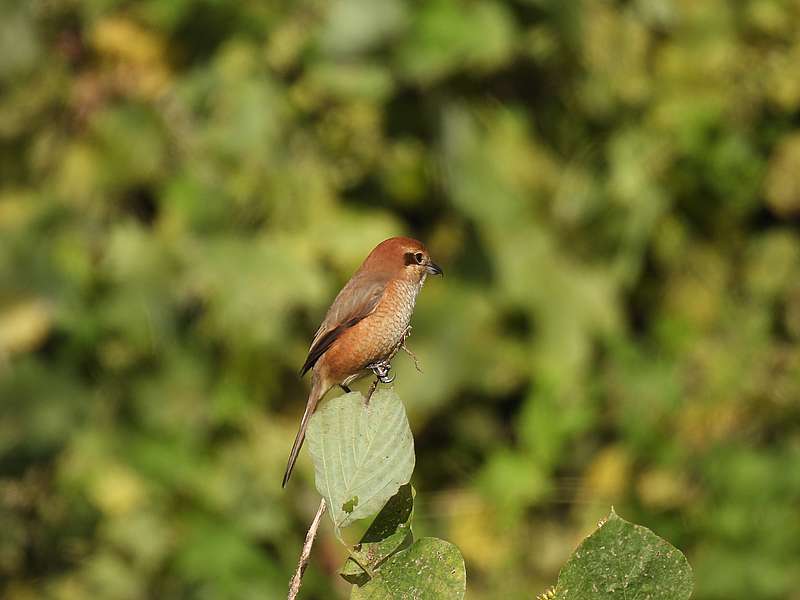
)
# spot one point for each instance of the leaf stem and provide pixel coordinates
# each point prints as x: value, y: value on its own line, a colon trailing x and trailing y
x: 364, y: 568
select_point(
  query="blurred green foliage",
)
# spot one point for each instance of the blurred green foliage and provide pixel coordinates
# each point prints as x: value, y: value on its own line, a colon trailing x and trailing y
x: 613, y: 189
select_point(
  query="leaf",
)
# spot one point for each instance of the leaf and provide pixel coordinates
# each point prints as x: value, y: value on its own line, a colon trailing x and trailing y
x: 388, y: 533
x: 431, y: 569
x: 623, y: 561
x: 393, y: 516
x: 362, y: 453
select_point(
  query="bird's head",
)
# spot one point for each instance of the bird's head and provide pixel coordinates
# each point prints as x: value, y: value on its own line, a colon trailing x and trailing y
x: 406, y: 258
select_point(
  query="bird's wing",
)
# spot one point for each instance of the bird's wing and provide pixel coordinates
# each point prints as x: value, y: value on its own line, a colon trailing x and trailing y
x: 356, y: 300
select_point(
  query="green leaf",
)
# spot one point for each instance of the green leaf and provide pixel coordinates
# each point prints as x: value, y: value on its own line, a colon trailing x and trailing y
x: 623, y: 561
x: 388, y: 533
x: 431, y: 569
x: 362, y: 453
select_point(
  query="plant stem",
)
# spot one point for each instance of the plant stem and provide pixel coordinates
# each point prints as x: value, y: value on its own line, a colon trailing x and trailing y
x: 294, y: 585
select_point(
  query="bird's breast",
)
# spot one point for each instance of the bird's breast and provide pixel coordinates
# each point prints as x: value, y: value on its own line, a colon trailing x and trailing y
x: 391, y: 318
x: 378, y: 335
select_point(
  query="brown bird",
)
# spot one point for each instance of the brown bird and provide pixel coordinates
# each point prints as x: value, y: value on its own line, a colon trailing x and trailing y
x: 366, y: 324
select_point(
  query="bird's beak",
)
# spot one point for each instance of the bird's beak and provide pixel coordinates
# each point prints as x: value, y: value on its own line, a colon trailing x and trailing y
x: 434, y: 269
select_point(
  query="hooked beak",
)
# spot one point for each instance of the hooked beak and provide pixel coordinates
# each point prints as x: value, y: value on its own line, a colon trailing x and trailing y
x: 434, y: 269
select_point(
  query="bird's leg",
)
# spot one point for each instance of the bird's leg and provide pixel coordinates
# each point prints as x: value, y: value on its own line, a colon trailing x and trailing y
x: 383, y: 373
x: 381, y: 369
x: 346, y: 389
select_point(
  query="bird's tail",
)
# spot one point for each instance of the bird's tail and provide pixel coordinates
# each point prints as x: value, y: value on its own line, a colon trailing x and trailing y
x: 317, y: 392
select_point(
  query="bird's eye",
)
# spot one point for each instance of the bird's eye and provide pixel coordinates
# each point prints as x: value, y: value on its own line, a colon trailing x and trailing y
x: 419, y: 257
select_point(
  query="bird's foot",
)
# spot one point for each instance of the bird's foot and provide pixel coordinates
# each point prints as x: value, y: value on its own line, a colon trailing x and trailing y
x: 381, y: 370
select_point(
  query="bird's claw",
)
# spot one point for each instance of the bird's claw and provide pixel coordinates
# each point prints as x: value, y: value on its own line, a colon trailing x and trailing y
x: 381, y: 370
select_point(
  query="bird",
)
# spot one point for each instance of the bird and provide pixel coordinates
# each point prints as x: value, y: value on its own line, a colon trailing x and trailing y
x: 365, y: 326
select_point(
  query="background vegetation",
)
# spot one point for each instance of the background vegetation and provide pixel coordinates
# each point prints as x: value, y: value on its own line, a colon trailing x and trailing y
x: 613, y: 189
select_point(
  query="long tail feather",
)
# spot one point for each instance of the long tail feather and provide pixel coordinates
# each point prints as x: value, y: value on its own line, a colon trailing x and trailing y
x: 313, y: 398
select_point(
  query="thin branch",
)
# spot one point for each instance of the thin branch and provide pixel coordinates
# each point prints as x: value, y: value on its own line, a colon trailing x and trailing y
x: 412, y: 355
x: 294, y: 585
x: 371, y: 390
